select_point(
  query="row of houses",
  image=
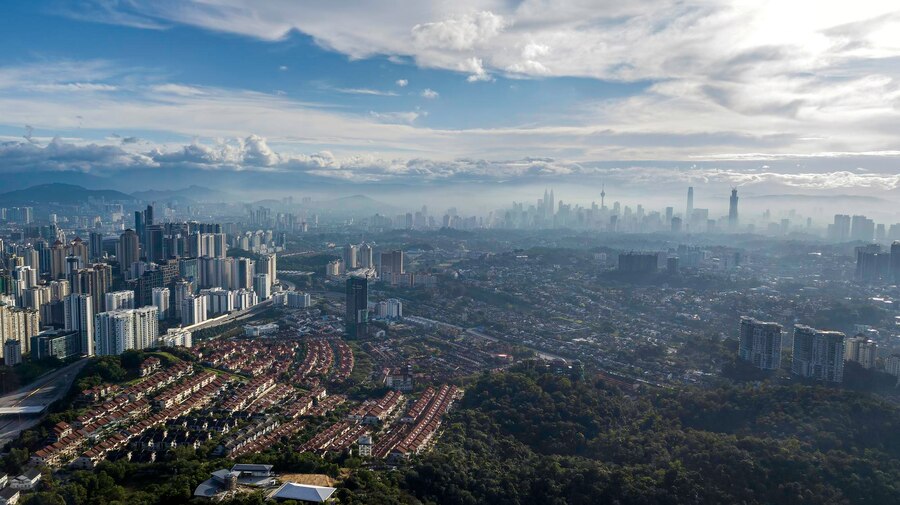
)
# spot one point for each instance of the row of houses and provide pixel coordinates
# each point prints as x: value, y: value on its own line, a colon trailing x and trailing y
x: 418, y: 426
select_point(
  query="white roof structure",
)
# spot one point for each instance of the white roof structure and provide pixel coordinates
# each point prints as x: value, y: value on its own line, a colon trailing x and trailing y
x: 302, y: 492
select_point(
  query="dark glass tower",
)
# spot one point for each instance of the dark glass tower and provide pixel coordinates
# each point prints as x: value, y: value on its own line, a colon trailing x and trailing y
x: 356, y: 319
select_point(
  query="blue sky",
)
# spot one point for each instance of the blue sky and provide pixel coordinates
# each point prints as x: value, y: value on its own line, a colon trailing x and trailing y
x: 360, y: 91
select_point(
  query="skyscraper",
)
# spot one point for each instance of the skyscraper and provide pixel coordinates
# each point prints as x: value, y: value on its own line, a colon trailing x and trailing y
x: 366, y: 258
x: 351, y: 256
x: 895, y: 261
x: 733, y: 210
x: 79, y: 316
x: 840, y: 230
x: 117, y: 300
x: 162, y: 302
x: 114, y: 332
x: 356, y: 318
x: 128, y: 250
x: 392, y: 263
x: 818, y: 354
x: 861, y: 350
x: 862, y: 229
x: 689, y: 211
x: 760, y: 343
x: 96, y: 243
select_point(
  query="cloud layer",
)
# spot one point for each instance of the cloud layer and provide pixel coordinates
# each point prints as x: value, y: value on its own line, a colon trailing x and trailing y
x: 254, y: 154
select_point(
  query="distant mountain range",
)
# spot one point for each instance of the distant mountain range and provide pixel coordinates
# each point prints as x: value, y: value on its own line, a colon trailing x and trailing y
x: 64, y: 194
x: 191, y: 193
x: 812, y: 198
x: 356, y: 204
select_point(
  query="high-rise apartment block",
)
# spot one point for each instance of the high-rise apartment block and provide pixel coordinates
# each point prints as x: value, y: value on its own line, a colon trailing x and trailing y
x: 760, y: 343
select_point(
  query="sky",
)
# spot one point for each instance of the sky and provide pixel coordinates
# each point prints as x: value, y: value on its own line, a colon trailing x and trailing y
x: 777, y: 96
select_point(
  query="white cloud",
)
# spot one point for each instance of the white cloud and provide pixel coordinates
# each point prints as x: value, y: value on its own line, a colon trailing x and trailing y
x: 365, y: 91
x: 408, y: 117
x: 253, y: 153
x: 178, y: 89
x: 475, y: 67
x: 429, y: 93
x: 459, y: 33
x: 402, y: 83
x: 283, y: 68
x: 74, y: 87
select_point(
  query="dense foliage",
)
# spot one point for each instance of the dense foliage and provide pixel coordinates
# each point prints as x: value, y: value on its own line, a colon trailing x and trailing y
x: 529, y: 437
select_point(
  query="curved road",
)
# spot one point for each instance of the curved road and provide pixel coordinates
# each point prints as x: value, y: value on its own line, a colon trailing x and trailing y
x: 40, y: 393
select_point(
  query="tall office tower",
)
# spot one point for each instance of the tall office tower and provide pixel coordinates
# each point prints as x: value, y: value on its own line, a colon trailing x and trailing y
x: 96, y: 246
x: 148, y: 217
x: 262, y: 286
x: 669, y: 214
x: 80, y: 249
x: 689, y: 211
x: 43, y: 249
x: 861, y: 350
x: 146, y: 327
x: 139, y: 226
x: 818, y: 354
x: 356, y: 318
x: 351, y: 256
x: 193, y: 310
x: 79, y: 316
x: 244, y: 270
x: 760, y: 343
x: 366, y: 257
x: 113, y: 332
x: 733, y: 210
x: 162, y: 302
x: 118, y: 300
x: 268, y: 264
x: 862, y: 228
x: 895, y: 261
x: 154, y: 249
x: 57, y: 260
x: 128, y: 250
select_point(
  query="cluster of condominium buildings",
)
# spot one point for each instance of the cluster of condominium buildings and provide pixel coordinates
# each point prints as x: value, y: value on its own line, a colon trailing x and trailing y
x: 817, y: 354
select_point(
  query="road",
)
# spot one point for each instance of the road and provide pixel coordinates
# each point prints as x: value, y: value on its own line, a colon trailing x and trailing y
x: 233, y: 316
x: 40, y: 393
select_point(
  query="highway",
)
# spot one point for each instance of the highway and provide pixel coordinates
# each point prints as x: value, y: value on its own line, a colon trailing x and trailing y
x: 40, y: 393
